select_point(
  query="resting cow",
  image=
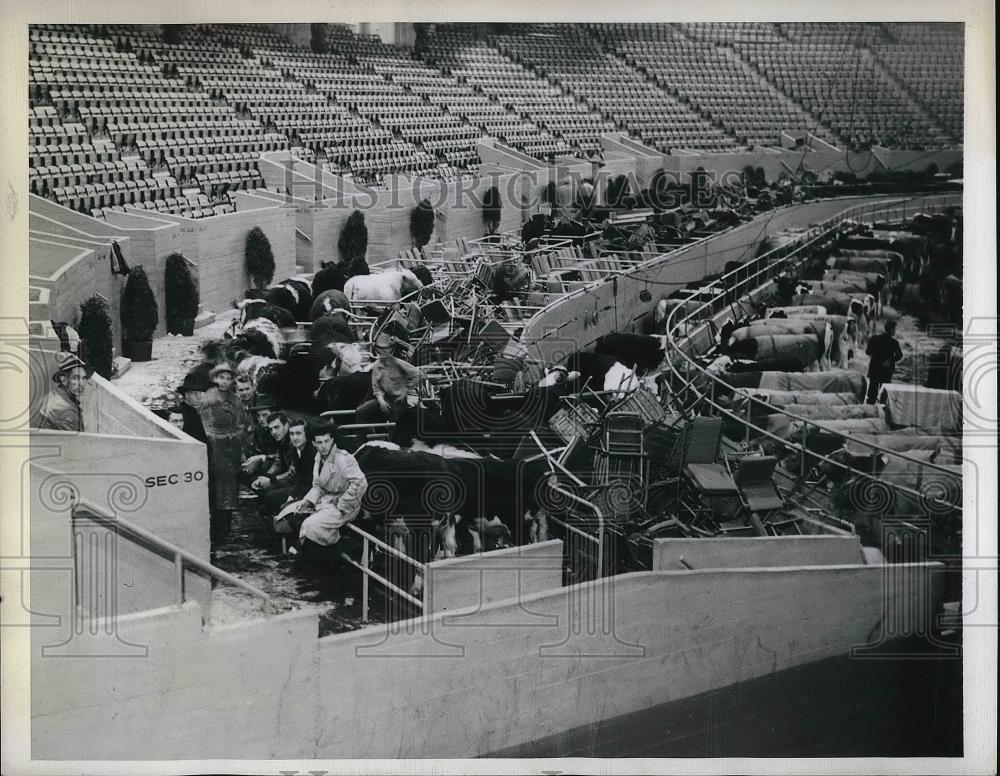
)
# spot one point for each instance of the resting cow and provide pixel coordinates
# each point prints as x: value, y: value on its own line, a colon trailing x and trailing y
x: 803, y: 350
x: 821, y: 330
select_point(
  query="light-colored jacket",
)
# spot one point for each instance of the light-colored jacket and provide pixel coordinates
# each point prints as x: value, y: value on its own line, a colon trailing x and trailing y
x: 338, y: 483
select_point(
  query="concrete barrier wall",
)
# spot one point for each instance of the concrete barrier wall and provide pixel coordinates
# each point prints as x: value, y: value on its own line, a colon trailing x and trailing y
x: 72, y: 275
x: 461, y: 684
x: 170, y: 689
x: 160, y: 487
x: 218, y: 245
x: 144, y: 240
x: 756, y: 552
x: 473, y: 580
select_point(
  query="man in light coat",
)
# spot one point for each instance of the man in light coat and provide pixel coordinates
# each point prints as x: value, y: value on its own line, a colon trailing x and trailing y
x: 334, y: 500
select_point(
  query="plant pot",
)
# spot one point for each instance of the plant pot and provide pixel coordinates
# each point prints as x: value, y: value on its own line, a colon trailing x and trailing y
x: 138, y: 351
x: 182, y: 326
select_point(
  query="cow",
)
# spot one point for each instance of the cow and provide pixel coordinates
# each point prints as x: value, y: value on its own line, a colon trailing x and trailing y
x: 389, y: 286
x: 254, y: 309
x: 292, y: 383
x: 644, y: 351
x: 259, y: 337
x: 802, y: 350
x: 821, y: 330
x: 665, y: 306
x: 889, y: 263
x: 329, y: 277
x: 332, y: 327
x: 839, y: 304
x: 875, y: 283
x: 907, y: 491
x: 426, y: 490
x: 844, y: 332
x: 294, y: 294
x: 328, y: 301
x: 423, y: 274
x: 604, y: 371
x: 344, y: 391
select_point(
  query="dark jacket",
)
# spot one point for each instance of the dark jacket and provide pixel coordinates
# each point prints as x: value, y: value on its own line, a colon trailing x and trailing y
x: 885, y: 353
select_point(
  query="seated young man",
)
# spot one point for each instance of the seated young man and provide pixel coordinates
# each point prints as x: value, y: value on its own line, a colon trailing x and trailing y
x: 338, y: 485
x: 259, y: 447
x: 294, y: 481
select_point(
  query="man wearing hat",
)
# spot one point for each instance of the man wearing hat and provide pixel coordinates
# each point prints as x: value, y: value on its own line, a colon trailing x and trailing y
x: 222, y: 415
x: 61, y: 410
x: 395, y: 384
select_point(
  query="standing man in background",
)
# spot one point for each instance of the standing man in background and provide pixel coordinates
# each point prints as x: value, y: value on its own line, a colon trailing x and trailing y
x: 885, y: 353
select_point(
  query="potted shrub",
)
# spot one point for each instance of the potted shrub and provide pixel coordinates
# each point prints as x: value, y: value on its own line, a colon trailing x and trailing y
x: 95, y: 336
x: 353, y: 242
x: 259, y: 258
x: 422, y: 223
x: 180, y: 296
x: 491, y: 210
x: 139, y: 314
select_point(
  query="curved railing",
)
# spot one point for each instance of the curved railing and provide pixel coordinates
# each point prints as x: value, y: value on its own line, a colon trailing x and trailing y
x: 739, y: 284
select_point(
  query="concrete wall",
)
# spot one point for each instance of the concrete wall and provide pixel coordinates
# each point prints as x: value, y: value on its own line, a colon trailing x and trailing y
x: 120, y: 574
x: 456, y: 685
x: 755, y: 552
x: 144, y: 240
x: 472, y: 580
x: 217, y: 245
x: 167, y: 685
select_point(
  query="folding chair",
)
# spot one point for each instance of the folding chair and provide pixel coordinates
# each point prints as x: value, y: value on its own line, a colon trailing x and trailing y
x: 754, y: 479
x: 699, y: 470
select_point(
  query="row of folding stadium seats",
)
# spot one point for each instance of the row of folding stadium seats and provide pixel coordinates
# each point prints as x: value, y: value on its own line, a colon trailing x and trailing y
x: 128, y: 135
x: 158, y: 150
x: 68, y: 101
x: 62, y: 175
x: 185, y: 167
x: 40, y: 82
x: 96, y: 119
x: 217, y: 183
x: 94, y: 195
x: 72, y: 153
x: 58, y: 134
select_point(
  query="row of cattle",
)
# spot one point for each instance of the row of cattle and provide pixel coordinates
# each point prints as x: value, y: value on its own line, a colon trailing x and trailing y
x: 783, y: 384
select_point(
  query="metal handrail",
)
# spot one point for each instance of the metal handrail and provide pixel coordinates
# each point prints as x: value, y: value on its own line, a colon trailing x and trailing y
x: 93, y: 511
x: 367, y: 573
x: 790, y: 250
x: 600, y: 520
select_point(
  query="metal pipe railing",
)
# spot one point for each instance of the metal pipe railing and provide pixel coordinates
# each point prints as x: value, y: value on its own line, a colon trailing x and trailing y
x: 597, y: 512
x: 367, y: 573
x: 180, y: 555
x: 796, y: 249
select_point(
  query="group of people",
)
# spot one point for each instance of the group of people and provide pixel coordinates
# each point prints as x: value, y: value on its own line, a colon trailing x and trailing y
x: 304, y: 485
